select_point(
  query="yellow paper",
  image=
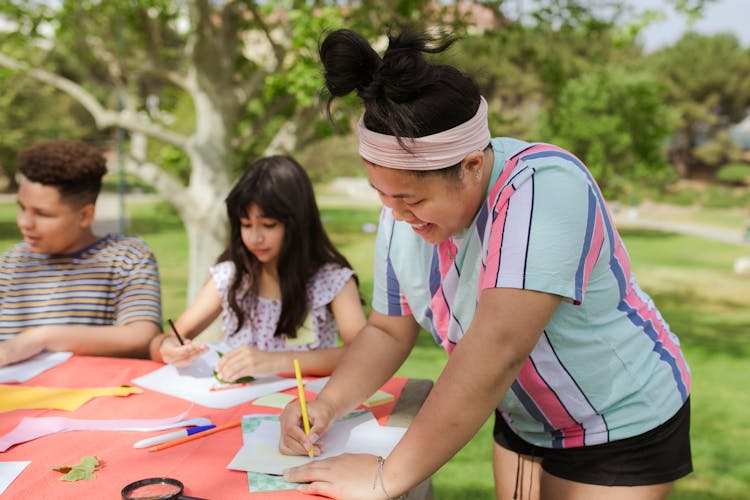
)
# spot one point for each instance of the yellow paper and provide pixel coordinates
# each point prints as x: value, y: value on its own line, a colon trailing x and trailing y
x: 14, y: 397
x: 379, y: 398
x: 275, y: 400
x: 305, y: 334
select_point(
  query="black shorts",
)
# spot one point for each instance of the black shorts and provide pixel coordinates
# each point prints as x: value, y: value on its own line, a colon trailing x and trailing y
x: 660, y: 455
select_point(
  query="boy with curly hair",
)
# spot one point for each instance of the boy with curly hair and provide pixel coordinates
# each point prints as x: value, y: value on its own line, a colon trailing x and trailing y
x: 64, y: 288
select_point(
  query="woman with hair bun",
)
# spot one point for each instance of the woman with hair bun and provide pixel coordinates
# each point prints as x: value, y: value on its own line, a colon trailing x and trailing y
x: 505, y: 252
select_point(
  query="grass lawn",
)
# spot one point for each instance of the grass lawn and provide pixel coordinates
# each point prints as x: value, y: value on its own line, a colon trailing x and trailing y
x: 690, y: 280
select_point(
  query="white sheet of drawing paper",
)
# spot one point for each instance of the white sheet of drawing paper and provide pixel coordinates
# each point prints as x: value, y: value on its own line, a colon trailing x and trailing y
x: 360, y: 433
x: 317, y: 385
x: 194, y: 383
x: 9, y: 471
x: 30, y: 368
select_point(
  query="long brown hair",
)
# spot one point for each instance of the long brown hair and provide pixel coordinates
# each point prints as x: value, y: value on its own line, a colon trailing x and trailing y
x: 280, y: 187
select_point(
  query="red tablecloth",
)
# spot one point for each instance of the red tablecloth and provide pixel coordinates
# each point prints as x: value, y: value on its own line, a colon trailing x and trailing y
x: 199, y: 464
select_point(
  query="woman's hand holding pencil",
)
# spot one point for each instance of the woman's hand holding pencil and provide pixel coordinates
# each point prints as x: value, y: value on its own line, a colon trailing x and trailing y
x: 295, y: 440
x: 303, y: 406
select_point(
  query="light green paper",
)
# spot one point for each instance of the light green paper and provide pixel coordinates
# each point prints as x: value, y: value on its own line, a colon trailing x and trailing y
x: 275, y: 400
x: 379, y: 398
x: 305, y: 334
x: 259, y: 482
x: 271, y: 458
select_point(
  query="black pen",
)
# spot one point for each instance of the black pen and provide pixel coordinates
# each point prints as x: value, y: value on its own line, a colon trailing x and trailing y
x: 176, y: 333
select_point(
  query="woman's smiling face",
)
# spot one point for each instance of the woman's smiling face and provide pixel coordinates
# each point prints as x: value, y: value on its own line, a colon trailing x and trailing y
x: 436, y: 206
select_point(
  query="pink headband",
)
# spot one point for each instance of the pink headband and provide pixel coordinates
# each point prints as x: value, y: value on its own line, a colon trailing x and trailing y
x: 430, y: 152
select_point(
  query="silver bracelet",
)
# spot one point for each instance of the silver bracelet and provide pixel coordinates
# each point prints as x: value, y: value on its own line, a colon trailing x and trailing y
x: 379, y: 477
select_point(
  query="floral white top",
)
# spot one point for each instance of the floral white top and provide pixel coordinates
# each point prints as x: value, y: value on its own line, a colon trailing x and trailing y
x: 319, y: 330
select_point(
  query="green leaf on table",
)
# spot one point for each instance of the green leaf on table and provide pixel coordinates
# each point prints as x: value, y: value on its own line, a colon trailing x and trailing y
x: 241, y: 380
x: 83, y: 470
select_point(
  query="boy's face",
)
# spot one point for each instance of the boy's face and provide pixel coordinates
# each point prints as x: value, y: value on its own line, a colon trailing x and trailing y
x: 48, y: 223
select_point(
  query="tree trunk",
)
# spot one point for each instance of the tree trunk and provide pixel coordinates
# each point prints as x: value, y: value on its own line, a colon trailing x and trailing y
x: 211, y: 162
x: 204, y: 248
x: 204, y: 217
x: 284, y: 141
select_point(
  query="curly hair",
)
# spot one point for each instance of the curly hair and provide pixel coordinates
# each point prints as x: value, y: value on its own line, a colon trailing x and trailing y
x: 74, y: 167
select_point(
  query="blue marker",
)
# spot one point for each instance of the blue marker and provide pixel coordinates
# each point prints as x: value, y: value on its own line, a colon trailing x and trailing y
x: 143, y: 443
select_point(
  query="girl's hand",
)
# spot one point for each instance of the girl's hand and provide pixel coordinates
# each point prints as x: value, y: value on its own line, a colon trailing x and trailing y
x: 246, y: 361
x: 344, y: 477
x: 180, y: 355
x: 293, y: 440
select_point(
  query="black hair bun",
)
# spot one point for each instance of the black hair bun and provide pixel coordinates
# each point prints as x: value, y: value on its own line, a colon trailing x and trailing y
x: 405, y: 72
x: 350, y: 62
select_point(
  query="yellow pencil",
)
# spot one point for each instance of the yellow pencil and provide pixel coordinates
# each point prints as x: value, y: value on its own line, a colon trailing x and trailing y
x: 302, y: 403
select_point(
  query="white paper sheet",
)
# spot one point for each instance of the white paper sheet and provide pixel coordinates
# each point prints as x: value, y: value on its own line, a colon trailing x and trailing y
x: 357, y: 433
x: 194, y: 383
x: 30, y: 368
x: 32, y: 428
x: 9, y: 471
x: 317, y: 385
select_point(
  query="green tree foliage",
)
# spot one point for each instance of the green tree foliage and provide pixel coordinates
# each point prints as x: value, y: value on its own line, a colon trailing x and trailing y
x: 555, y: 80
x: 135, y: 65
x: 199, y: 86
x: 708, y: 79
x: 30, y: 112
x: 26, y: 118
x: 614, y: 120
x: 523, y: 65
x: 734, y: 174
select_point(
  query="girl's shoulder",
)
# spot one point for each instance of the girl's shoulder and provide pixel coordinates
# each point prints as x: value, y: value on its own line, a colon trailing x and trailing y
x: 224, y: 268
x: 332, y: 270
x: 327, y: 282
x: 222, y: 274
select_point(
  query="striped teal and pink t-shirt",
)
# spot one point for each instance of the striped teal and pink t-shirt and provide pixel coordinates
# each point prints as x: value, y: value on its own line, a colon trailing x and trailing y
x: 607, y: 366
x: 114, y: 281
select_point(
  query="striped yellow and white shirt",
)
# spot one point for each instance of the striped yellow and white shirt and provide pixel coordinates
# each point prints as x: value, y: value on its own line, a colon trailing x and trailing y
x: 114, y: 281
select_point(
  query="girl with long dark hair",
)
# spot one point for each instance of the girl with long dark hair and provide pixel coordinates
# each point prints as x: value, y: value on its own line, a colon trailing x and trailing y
x: 282, y: 288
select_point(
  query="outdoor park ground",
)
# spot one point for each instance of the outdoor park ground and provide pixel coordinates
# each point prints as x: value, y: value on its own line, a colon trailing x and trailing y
x: 688, y: 273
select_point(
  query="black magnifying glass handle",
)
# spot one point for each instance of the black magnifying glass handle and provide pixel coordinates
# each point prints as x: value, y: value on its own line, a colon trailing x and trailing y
x: 185, y: 497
